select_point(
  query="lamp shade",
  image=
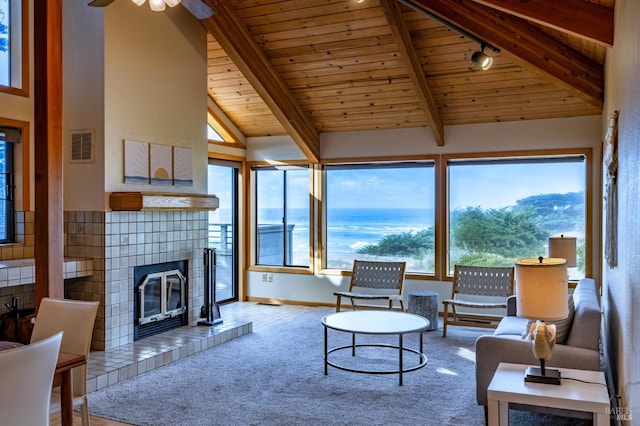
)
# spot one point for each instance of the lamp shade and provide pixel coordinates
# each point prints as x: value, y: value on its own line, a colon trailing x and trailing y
x: 542, y: 288
x: 564, y: 248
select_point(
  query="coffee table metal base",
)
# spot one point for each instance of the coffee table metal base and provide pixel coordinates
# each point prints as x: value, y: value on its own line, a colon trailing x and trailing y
x: 399, y: 371
x: 422, y: 358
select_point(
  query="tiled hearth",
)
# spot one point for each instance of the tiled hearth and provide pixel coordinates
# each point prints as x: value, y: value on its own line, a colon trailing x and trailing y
x: 119, y: 240
x: 106, y: 368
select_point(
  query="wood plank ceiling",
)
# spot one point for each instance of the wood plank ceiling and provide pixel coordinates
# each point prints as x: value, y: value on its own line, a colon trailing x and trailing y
x: 302, y: 67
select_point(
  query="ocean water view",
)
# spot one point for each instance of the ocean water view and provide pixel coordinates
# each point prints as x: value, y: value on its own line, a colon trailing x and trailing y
x: 349, y: 229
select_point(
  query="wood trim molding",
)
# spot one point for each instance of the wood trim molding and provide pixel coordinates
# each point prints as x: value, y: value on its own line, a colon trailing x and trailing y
x: 47, y: 101
x: 139, y: 201
x: 23, y: 173
x: 578, y: 17
x: 234, y: 37
x: 414, y: 68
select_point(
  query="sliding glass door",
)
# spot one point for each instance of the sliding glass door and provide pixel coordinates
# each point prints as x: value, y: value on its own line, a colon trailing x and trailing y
x: 223, y: 179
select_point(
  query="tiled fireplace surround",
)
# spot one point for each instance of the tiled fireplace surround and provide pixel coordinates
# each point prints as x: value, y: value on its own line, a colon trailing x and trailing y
x: 117, y: 241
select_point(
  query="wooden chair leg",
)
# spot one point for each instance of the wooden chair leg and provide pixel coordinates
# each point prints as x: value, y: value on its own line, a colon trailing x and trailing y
x: 338, y: 301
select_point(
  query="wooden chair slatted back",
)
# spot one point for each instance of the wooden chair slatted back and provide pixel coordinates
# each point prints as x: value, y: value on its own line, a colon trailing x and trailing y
x: 483, y: 280
x: 378, y: 275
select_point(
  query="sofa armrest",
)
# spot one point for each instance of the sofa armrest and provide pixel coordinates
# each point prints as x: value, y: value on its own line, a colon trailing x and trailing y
x: 511, y: 306
x: 492, y: 350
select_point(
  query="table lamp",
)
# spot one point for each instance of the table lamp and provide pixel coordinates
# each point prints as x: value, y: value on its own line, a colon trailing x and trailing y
x: 542, y: 295
x: 563, y: 248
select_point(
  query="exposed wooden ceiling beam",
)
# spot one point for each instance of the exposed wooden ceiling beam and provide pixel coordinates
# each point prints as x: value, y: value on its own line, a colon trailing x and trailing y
x: 526, y: 44
x: 235, y: 39
x: 578, y: 17
x: 414, y: 67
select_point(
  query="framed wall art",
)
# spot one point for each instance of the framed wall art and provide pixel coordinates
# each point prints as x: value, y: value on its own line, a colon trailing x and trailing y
x: 161, y: 164
x: 182, y: 166
x: 136, y: 162
x: 610, y: 173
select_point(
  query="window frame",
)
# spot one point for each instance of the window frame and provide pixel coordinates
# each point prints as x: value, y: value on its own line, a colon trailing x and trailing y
x: 218, y: 125
x: 514, y: 155
x: 9, y: 202
x: 435, y: 161
x: 22, y: 55
x: 252, y: 228
x: 21, y: 165
x: 22, y: 174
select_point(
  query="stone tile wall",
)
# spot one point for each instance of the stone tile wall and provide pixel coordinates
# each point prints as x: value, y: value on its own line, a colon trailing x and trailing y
x: 118, y: 241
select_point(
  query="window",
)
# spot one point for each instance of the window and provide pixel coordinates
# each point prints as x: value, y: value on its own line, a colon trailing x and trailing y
x: 7, y: 208
x: 500, y: 210
x: 380, y: 211
x: 212, y: 135
x: 14, y: 69
x: 223, y: 180
x: 217, y: 131
x: 5, y: 51
x: 283, y: 216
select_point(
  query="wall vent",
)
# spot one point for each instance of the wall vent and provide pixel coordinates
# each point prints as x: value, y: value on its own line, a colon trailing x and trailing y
x: 82, y: 146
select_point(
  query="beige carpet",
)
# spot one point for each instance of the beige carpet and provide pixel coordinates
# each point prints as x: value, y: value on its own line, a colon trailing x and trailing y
x: 275, y: 376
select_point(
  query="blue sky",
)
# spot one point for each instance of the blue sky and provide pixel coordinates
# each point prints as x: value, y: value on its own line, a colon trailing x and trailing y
x: 489, y: 186
x: 486, y: 186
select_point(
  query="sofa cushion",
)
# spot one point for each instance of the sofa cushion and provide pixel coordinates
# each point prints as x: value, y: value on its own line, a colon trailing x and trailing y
x: 517, y: 326
x: 511, y: 326
x: 585, y: 330
x: 563, y: 326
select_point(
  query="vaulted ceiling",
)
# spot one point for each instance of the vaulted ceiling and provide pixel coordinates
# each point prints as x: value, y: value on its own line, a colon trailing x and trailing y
x: 303, y: 67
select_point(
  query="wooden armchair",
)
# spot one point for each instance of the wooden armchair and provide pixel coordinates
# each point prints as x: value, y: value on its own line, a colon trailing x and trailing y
x: 372, y: 280
x: 478, y: 287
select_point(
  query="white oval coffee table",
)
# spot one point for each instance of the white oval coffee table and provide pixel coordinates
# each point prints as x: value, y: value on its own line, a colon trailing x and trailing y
x: 375, y: 322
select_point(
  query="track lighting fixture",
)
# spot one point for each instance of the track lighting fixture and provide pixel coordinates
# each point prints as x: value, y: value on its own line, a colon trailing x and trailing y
x: 481, y: 59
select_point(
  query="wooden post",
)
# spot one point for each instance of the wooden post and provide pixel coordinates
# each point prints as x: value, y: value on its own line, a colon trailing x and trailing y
x: 47, y: 44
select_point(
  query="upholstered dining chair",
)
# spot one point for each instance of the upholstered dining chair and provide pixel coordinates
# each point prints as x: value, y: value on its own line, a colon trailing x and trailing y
x: 76, y: 318
x: 27, y: 376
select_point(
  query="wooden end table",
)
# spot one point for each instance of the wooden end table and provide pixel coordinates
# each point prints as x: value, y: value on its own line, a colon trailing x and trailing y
x: 580, y: 390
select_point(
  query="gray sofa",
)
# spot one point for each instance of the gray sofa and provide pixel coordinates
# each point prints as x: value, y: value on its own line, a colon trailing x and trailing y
x: 580, y: 351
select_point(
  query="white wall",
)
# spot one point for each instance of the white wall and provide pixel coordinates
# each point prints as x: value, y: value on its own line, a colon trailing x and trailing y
x: 583, y: 132
x: 83, y: 102
x: 621, y: 293
x: 131, y: 73
x: 507, y: 136
x: 155, y: 88
x: 274, y: 148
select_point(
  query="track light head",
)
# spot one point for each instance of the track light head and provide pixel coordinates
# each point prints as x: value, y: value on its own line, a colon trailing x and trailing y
x: 481, y: 59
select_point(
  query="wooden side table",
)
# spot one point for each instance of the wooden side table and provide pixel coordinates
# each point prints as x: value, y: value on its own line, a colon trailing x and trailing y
x: 587, y: 392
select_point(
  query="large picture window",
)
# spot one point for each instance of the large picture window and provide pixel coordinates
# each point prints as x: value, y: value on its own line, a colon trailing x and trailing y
x: 283, y: 216
x: 500, y: 210
x: 380, y: 211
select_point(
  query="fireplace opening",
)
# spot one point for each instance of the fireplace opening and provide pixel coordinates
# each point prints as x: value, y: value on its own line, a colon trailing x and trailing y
x: 160, y: 297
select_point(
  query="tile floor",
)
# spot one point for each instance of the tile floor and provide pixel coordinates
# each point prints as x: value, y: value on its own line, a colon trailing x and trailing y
x: 106, y: 368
